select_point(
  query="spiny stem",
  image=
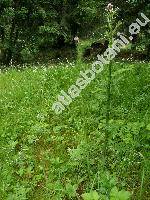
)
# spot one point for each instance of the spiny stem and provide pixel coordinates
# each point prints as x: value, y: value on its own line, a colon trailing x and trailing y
x: 108, y: 111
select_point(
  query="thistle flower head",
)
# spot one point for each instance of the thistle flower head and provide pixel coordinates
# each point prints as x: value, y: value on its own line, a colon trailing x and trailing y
x: 76, y: 39
x: 109, y: 7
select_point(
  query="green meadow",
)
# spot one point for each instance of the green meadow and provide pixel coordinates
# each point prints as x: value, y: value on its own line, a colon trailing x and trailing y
x: 46, y: 156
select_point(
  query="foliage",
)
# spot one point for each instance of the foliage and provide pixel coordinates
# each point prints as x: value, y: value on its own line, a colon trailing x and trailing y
x: 114, y: 195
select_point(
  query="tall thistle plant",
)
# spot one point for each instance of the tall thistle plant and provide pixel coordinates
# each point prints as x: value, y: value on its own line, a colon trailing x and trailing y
x: 112, y: 28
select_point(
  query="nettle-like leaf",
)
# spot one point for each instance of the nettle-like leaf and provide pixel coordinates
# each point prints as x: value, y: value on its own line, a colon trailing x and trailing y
x: 148, y: 127
x: 71, y: 190
x: 119, y: 195
x: 93, y: 195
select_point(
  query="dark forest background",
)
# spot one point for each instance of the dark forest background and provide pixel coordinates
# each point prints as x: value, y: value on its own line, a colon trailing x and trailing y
x: 42, y: 30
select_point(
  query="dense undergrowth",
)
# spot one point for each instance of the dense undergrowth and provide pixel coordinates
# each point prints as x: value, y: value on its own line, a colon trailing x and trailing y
x: 45, y: 156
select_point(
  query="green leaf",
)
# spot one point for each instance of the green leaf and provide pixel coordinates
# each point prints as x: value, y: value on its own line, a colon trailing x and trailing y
x: 71, y: 190
x: 93, y: 195
x: 148, y: 127
x: 119, y: 195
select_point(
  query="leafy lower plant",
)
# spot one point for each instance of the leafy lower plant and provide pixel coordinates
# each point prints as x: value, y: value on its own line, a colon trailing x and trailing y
x: 115, y: 194
x: 93, y: 195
